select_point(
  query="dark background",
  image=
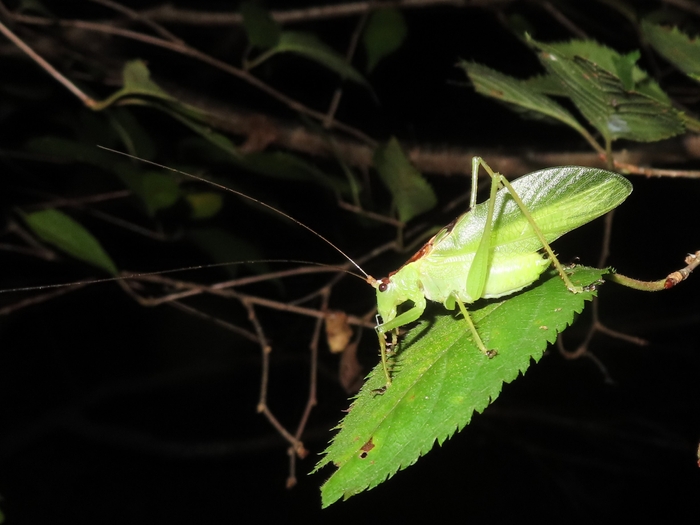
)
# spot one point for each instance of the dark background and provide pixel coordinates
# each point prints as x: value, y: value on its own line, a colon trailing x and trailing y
x: 114, y: 413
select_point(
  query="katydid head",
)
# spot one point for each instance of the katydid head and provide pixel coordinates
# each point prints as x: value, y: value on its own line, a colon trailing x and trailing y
x: 395, y: 289
x: 387, y: 300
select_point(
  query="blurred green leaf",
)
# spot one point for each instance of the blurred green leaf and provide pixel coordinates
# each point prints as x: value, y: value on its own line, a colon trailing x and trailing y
x: 63, y: 232
x: 156, y: 189
x: 411, y: 192
x: 275, y: 164
x: 385, y: 33
x: 309, y: 46
x: 675, y: 46
x: 139, y: 89
x: 70, y: 149
x: 204, y: 204
x: 283, y: 165
x: 263, y: 32
x: 223, y: 247
x: 132, y: 134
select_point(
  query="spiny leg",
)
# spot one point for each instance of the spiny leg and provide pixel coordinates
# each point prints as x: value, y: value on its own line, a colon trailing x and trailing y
x: 502, y: 180
x: 383, y: 353
x: 477, y: 338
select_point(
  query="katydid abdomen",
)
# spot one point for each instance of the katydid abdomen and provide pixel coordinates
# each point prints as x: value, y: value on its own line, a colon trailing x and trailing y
x: 494, y: 249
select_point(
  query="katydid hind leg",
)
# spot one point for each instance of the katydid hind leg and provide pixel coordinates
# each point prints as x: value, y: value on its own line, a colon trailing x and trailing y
x: 547, y: 248
x: 475, y: 334
x: 479, y: 269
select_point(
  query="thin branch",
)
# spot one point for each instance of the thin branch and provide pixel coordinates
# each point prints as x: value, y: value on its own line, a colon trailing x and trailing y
x: 135, y: 15
x: 563, y: 20
x: 169, y: 14
x: 335, y: 101
x: 37, y: 299
x: 85, y: 99
x: 183, y: 49
x: 687, y: 5
x: 219, y: 322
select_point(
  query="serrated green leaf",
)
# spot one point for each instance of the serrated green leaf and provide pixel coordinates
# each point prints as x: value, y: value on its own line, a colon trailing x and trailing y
x: 60, y: 230
x: 204, y: 204
x: 675, y: 46
x: 518, y: 94
x: 600, y: 95
x: 309, y: 46
x: 385, y: 33
x: 411, y: 192
x: 612, y: 62
x: 263, y: 32
x: 441, y: 379
x: 545, y: 84
x: 625, y: 68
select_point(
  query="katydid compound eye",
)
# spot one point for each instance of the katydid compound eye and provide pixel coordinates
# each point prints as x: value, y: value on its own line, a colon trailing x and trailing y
x: 382, y: 287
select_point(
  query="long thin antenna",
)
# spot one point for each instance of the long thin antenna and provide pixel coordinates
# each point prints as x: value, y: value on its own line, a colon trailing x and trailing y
x: 240, y: 194
x: 124, y: 277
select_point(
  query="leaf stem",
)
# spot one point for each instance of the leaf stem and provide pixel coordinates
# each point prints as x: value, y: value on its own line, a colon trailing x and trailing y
x: 692, y: 261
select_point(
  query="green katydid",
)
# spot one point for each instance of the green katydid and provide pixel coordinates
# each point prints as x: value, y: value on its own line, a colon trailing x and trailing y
x: 490, y: 251
x: 493, y: 250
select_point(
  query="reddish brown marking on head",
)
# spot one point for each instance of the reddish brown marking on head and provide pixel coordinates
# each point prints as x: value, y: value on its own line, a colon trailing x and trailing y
x: 384, y: 283
x: 366, y: 448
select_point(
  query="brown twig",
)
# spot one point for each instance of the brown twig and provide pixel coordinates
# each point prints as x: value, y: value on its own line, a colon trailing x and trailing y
x: 311, y: 400
x: 70, y: 86
x: 335, y: 101
x: 135, y: 15
x: 170, y: 14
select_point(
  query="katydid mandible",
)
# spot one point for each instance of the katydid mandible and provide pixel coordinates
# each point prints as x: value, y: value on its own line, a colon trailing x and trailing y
x: 493, y: 249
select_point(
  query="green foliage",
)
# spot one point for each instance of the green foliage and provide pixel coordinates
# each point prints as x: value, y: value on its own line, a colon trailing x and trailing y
x: 263, y: 32
x: 224, y: 247
x: 66, y: 234
x: 616, y: 97
x: 157, y: 190
x: 522, y: 96
x: 411, y: 192
x: 675, y: 46
x: 311, y: 47
x: 642, y: 113
x: 385, y: 33
x: 204, y: 204
x: 442, y: 379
